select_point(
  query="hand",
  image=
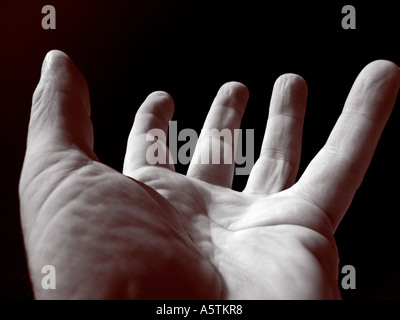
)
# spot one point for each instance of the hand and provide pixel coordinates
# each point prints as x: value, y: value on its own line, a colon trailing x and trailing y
x: 154, y: 233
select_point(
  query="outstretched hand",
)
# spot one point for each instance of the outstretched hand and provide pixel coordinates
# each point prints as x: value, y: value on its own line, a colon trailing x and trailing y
x: 154, y: 233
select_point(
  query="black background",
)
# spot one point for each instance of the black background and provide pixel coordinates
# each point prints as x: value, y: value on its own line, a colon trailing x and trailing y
x: 127, y: 49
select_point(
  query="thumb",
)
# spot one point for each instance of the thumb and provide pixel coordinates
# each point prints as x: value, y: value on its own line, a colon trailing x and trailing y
x: 60, y: 114
x: 60, y: 135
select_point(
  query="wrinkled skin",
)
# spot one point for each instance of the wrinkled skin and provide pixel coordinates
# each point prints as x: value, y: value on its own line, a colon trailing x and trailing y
x: 154, y: 233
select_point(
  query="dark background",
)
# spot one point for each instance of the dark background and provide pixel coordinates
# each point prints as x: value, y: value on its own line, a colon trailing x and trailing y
x: 127, y: 49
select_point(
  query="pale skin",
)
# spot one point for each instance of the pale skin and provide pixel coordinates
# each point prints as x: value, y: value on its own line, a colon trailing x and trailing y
x: 151, y: 232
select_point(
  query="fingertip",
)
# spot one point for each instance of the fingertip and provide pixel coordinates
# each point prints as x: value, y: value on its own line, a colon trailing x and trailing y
x: 58, y: 66
x: 235, y: 89
x: 293, y: 82
x: 385, y: 70
x: 54, y: 58
x: 158, y: 103
x: 55, y: 53
x: 383, y: 63
x: 160, y: 97
x: 375, y: 90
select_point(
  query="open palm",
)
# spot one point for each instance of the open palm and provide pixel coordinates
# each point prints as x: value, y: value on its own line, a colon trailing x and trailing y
x: 154, y: 233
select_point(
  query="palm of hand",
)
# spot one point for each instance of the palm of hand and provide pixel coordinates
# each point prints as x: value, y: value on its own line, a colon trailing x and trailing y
x: 260, y: 247
x: 162, y: 234
x: 200, y: 233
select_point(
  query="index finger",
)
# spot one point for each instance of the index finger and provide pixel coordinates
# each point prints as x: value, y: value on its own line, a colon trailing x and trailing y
x: 333, y: 176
